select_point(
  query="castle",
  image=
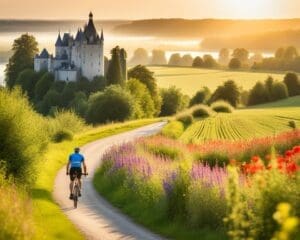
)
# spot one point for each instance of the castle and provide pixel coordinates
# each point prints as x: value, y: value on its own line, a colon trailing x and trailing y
x: 82, y: 56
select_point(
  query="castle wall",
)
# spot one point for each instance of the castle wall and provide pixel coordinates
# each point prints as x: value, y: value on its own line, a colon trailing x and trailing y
x: 40, y: 64
x: 92, y: 61
x: 66, y: 75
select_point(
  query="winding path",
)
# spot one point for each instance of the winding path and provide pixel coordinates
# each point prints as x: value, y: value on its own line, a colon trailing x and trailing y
x: 95, y: 217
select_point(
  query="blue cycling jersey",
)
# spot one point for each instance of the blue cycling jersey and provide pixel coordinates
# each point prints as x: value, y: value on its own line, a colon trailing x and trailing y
x: 76, y: 159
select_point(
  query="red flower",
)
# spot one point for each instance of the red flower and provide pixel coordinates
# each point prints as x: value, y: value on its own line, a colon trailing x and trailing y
x: 296, y: 150
x: 255, y: 159
x: 289, y: 153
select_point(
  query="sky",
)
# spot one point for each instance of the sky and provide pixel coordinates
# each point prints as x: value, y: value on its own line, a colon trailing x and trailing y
x: 145, y: 9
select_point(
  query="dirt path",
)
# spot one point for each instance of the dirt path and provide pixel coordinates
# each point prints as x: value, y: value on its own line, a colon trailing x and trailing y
x: 95, y: 217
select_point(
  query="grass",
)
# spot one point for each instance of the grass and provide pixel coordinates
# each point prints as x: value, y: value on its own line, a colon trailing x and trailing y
x: 50, y: 222
x: 289, y: 102
x: 190, y: 80
x: 128, y: 204
x: 242, y: 124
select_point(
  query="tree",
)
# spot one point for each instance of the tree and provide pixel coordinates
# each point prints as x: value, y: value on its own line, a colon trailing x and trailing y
x: 114, y: 72
x: 269, y: 85
x: 68, y: 94
x: 198, y: 62
x: 224, y: 56
x: 256, y: 58
x: 143, y: 103
x: 175, y: 60
x: 42, y: 86
x: 24, y: 49
x: 292, y: 82
x: 258, y: 94
x: 113, y: 104
x: 279, y: 91
x: 186, y: 61
x: 229, y: 92
x: 209, y: 61
x: 290, y: 53
x: 83, y: 84
x: 51, y: 99
x: 140, y: 56
x: 200, y: 97
x: 242, y: 54
x: 146, y: 77
x: 172, y: 101
x: 235, y: 63
x: 27, y: 79
x: 106, y: 65
x: 279, y: 53
x: 97, y: 84
x: 80, y: 104
x: 158, y: 57
x: 58, y: 85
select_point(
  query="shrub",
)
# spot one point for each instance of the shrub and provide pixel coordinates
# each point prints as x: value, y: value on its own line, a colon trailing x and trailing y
x: 229, y: 92
x: 15, y: 211
x: 173, y: 129
x: 186, y: 119
x: 43, y: 85
x: 113, y: 104
x: 222, y: 106
x: 165, y: 152
x: 201, y: 111
x: 173, y: 101
x: 202, y: 96
x: 198, y: 62
x: 62, y: 135
x: 279, y: 91
x: 258, y: 94
x: 292, y: 82
x: 23, y: 136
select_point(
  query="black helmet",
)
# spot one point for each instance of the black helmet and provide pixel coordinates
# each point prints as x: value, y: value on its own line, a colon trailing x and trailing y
x: 77, y: 149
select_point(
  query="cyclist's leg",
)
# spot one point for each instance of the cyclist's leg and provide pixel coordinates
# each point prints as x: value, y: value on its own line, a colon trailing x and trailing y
x: 71, y: 182
x: 79, y: 180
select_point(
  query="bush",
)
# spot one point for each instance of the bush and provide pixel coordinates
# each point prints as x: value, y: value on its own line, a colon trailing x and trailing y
x: 113, y: 104
x: 222, y: 106
x: 258, y: 94
x: 292, y: 82
x: 202, y: 96
x: 201, y: 111
x: 62, y: 135
x: 22, y: 137
x: 198, y: 62
x: 173, y: 101
x: 165, y: 152
x: 279, y: 91
x: 43, y: 85
x: 229, y: 92
x: 186, y: 119
x: 173, y: 129
x: 16, y: 217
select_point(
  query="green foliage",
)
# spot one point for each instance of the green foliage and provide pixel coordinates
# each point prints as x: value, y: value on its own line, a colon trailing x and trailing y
x: 175, y: 60
x: 229, y: 92
x: 198, y: 62
x: 241, y: 54
x: 173, y: 129
x: 258, y: 94
x: 222, y: 106
x: 279, y: 91
x: 114, y: 72
x: 68, y: 94
x: 62, y: 135
x: 113, y: 104
x: 202, y: 96
x: 143, y: 103
x: 42, y: 86
x: 15, y: 211
x: 186, y: 118
x: 292, y: 82
x: 79, y: 104
x: 97, y: 84
x: 201, y: 111
x: 173, y: 101
x: 58, y: 86
x: 235, y: 63
x: 146, y: 77
x: 165, y: 152
x: 24, y: 49
x: 22, y: 136
x: 27, y: 80
x: 83, y: 85
x: 51, y: 99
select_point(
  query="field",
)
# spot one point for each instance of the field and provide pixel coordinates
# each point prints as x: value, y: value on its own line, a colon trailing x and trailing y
x: 190, y: 79
x: 265, y: 120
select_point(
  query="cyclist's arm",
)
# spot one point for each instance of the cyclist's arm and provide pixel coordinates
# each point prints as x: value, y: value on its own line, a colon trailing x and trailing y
x: 84, y: 166
x: 68, y: 166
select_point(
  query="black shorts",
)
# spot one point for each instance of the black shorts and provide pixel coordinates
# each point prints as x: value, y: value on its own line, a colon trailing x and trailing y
x: 77, y: 171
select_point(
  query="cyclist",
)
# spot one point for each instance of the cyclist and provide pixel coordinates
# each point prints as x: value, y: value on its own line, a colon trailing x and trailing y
x: 74, y: 166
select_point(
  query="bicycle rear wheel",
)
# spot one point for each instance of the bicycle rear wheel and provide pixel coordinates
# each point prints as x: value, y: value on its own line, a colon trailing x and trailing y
x: 75, y: 196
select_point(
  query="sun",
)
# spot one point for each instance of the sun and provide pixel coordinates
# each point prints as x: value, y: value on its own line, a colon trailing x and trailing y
x: 248, y: 8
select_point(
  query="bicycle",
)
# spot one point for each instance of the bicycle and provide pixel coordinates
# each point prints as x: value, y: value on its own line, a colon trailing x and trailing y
x: 76, y: 188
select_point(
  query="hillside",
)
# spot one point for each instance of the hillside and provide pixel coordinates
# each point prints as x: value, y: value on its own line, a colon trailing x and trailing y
x: 190, y: 80
x: 289, y: 102
x: 184, y: 28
